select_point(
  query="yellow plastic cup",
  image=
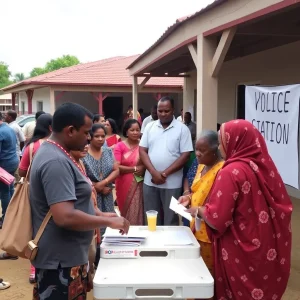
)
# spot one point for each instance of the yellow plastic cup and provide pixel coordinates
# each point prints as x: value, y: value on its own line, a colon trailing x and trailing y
x: 151, y: 219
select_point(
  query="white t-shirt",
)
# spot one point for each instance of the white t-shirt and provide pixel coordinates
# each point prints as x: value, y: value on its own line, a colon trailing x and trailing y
x: 146, y: 122
x: 180, y: 119
x: 20, y: 135
x: 28, y: 129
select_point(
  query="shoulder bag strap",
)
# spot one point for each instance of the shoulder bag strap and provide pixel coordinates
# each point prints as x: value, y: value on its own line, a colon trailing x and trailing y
x: 42, y: 227
x: 31, y: 159
x: 49, y: 215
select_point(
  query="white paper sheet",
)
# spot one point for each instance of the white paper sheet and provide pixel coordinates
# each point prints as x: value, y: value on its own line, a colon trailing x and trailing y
x: 179, y: 209
x: 176, y: 238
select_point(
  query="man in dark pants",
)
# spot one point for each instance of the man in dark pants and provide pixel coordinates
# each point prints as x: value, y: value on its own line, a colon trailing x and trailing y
x: 164, y: 150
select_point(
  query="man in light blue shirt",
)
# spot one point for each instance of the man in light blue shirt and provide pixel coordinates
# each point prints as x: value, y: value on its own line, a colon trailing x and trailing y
x: 164, y: 149
x: 9, y: 161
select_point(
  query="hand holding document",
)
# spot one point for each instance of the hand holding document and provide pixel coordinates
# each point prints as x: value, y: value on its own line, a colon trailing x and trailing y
x: 179, y: 209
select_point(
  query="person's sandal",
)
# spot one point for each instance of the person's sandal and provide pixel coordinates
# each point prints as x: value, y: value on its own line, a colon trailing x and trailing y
x: 4, y: 285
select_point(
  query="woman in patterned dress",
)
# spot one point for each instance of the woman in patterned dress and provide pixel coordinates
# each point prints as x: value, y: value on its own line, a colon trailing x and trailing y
x: 101, y: 168
x: 248, y: 214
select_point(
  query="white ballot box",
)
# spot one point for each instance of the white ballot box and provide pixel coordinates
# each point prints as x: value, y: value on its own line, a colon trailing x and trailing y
x: 167, y: 265
x: 166, y: 242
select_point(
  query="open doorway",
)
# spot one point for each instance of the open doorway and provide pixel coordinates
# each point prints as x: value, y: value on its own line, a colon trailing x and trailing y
x: 113, y: 108
x: 240, y: 100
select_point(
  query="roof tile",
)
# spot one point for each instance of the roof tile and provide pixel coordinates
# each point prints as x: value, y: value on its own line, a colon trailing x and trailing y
x: 106, y: 72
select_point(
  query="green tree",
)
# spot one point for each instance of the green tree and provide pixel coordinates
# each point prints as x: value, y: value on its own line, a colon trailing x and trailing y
x: 61, y: 62
x: 19, y: 77
x: 56, y: 64
x: 4, y: 75
x: 37, y: 72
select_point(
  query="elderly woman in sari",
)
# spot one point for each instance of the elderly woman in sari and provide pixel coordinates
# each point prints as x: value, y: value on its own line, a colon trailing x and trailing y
x: 130, y: 182
x: 248, y: 218
x: 210, y: 162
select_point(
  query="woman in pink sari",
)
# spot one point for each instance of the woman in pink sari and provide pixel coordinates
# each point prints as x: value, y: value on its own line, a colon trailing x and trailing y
x: 129, y: 184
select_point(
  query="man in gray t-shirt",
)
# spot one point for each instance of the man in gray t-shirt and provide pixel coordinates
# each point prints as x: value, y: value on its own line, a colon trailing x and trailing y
x: 58, y: 183
x: 55, y: 178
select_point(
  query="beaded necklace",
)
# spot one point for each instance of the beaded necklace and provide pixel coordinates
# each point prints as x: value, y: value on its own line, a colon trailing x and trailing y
x: 72, y: 159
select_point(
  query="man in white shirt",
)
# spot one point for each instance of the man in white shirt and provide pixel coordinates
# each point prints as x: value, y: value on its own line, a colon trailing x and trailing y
x: 164, y: 150
x: 10, y: 119
x: 29, y: 127
x: 151, y: 118
x: 180, y: 118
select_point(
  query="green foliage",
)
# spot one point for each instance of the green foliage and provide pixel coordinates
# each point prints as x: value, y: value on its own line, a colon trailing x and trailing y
x: 4, y: 75
x: 19, y: 77
x: 56, y: 64
x: 61, y: 62
x: 37, y: 71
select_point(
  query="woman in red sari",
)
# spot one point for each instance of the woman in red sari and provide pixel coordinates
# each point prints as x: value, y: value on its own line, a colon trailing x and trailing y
x: 248, y: 214
x: 112, y: 138
x: 129, y: 184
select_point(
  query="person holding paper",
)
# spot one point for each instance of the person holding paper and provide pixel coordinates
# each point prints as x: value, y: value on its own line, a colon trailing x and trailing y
x: 164, y: 150
x: 248, y: 214
x: 210, y: 162
x: 129, y: 184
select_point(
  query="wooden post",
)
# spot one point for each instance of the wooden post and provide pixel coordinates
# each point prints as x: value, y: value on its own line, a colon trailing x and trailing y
x: 135, y: 96
x: 52, y: 101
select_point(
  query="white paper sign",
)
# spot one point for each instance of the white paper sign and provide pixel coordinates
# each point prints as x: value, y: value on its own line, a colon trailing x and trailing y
x: 179, y: 209
x: 274, y: 111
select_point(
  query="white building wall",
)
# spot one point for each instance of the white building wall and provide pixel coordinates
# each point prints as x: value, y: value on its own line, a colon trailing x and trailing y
x: 145, y: 100
x: 39, y: 95
x: 278, y: 66
x: 85, y: 99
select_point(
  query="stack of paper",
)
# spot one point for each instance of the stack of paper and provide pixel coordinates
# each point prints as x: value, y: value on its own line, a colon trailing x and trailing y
x: 115, y: 238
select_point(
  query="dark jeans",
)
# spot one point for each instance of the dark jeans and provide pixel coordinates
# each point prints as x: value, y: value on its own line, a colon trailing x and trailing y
x: 6, y: 191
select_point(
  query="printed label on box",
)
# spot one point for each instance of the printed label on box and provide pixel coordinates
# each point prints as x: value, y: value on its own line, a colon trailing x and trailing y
x: 121, y: 253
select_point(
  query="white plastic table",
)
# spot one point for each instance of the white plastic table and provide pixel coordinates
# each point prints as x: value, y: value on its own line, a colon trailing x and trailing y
x: 166, y: 242
x: 175, y: 276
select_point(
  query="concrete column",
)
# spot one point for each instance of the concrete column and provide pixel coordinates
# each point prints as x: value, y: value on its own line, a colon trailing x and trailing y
x: 188, y: 94
x: 135, y: 96
x: 207, y: 86
x: 52, y: 101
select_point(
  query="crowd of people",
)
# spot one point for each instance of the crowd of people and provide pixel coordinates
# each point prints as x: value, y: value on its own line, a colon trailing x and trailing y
x: 226, y: 179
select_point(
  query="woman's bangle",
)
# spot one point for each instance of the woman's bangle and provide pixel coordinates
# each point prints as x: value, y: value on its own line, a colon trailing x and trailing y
x: 198, y: 215
x: 186, y: 191
x: 189, y: 196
